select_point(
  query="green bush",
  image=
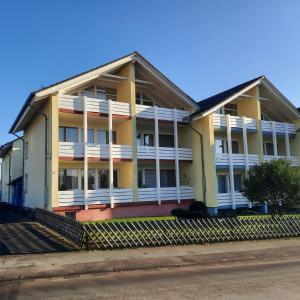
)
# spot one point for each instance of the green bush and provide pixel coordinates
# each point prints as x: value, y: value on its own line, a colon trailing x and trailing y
x: 274, y: 183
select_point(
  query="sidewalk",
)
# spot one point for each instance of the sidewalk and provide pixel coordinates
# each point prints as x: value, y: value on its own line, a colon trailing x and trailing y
x: 75, y: 263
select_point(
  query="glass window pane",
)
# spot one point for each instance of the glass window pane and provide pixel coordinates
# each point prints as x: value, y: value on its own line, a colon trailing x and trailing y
x: 166, y: 140
x: 235, y: 147
x: 103, y: 179
x: 139, y: 140
x: 238, y: 182
x: 222, y: 184
x: 70, y: 179
x: 61, y: 134
x: 167, y: 178
x: 269, y: 149
x: 148, y: 140
x: 150, y: 178
x: 115, y: 174
x: 102, y: 137
x: 71, y: 134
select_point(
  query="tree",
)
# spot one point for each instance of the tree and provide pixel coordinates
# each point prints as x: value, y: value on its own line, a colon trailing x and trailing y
x: 274, y: 183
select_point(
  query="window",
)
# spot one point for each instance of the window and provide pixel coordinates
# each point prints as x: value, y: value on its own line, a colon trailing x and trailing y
x: 106, y: 94
x: 143, y: 99
x: 103, y: 137
x: 26, y: 150
x: 221, y: 146
x: 167, y: 178
x: 268, y: 149
x: 91, y: 179
x: 70, y: 215
x: 222, y: 184
x: 238, y: 182
x: 68, y: 134
x: 68, y: 179
x: 103, y: 179
x: 150, y: 178
x: 166, y: 140
x: 90, y: 136
x: 230, y: 109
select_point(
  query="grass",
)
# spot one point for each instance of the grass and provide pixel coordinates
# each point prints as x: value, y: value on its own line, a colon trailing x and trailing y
x: 135, y: 219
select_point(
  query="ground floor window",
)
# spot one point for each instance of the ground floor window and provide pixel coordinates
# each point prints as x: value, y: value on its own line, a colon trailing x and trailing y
x: 222, y: 183
x: 68, y: 179
x: 147, y: 178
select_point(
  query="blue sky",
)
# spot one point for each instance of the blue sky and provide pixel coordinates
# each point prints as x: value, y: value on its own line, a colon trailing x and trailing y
x: 203, y: 46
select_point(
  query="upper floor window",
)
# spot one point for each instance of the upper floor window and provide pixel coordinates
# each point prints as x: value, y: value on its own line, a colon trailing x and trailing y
x: 221, y: 146
x: 103, y: 137
x: 104, y: 93
x: 143, y: 99
x: 68, y: 134
x: 90, y: 136
x: 228, y: 109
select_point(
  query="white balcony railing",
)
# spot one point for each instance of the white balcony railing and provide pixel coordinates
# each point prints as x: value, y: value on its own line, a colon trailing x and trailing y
x: 101, y: 196
x: 294, y: 160
x: 165, y: 114
x: 75, y: 103
x: 76, y: 150
x: 165, y: 153
x: 219, y: 121
x: 266, y: 127
x: 224, y: 199
x: 222, y: 159
x: 166, y: 193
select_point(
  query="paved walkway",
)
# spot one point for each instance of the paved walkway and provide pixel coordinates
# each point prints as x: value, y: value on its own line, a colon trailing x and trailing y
x: 19, y: 235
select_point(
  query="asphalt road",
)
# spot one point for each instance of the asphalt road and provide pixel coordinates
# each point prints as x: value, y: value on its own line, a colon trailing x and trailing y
x: 255, y: 281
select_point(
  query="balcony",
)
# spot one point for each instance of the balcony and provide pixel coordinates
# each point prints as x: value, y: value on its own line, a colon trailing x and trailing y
x: 224, y: 200
x: 279, y: 127
x: 294, y: 160
x: 75, y: 151
x: 238, y: 160
x: 74, y: 104
x: 165, y: 153
x: 101, y: 196
x: 220, y: 122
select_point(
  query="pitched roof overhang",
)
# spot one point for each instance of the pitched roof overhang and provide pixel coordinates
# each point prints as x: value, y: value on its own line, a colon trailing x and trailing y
x: 211, y: 104
x: 94, y: 73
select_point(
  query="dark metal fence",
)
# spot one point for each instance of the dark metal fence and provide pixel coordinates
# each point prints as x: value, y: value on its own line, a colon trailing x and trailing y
x: 173, y: 232
x: 68, y: 228
x: 111, y: 235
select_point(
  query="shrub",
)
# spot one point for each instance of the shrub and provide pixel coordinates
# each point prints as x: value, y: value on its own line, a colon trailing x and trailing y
x: 196, y: 210
x: 274, y: 183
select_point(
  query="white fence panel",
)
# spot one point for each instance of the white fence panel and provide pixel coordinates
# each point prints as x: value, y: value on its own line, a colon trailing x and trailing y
x: 67, y: 149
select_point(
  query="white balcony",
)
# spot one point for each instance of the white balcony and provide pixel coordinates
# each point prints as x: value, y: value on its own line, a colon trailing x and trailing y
x: 163, y: 114
x: 165, y: 153
x: 220, y: 121
x: 76, y: 150
x: 101, y: 196
x: 279, y: 127
x: 238, y: 160
x: 224, y: 199
x: 75, y: 104
x: 166, y: 193
x: 294, y: 160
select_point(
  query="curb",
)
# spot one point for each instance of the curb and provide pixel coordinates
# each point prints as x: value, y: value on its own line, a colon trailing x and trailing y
x: 202, y: 260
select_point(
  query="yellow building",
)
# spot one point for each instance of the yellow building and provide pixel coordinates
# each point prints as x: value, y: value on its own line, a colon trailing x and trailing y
x: 122, y: 140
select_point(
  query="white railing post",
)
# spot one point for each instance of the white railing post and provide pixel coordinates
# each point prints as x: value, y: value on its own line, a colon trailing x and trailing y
x: 157, y: 154
x: 287, y: 141
x: 176, y: 155
x: 274, y: 138
x: 111, y: 170
x: 86, y: 166
x: 245, y: 142
x: 231, y: 176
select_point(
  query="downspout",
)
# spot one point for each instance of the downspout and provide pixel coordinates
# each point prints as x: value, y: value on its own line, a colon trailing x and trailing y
x: 202, y: 159
x: 46, y: 204
x: 9, y: 179
x: 23, y: 167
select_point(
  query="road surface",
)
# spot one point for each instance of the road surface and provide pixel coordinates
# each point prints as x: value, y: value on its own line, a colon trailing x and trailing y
x: 250, y: 281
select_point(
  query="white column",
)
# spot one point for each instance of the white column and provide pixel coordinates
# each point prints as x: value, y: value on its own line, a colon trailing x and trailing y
x: 231, y: 176
x: 274, y: 137
x: 86, y: 167
x: 111, y: 165
x: 157, y: 154
x: 176, y: 155
x: 287, y: 141
x: 245, y: 143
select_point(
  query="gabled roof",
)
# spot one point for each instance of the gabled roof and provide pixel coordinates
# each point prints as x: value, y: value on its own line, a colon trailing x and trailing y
x: 94, y: 73
x: 208, y: 105
x: 4, y: 149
